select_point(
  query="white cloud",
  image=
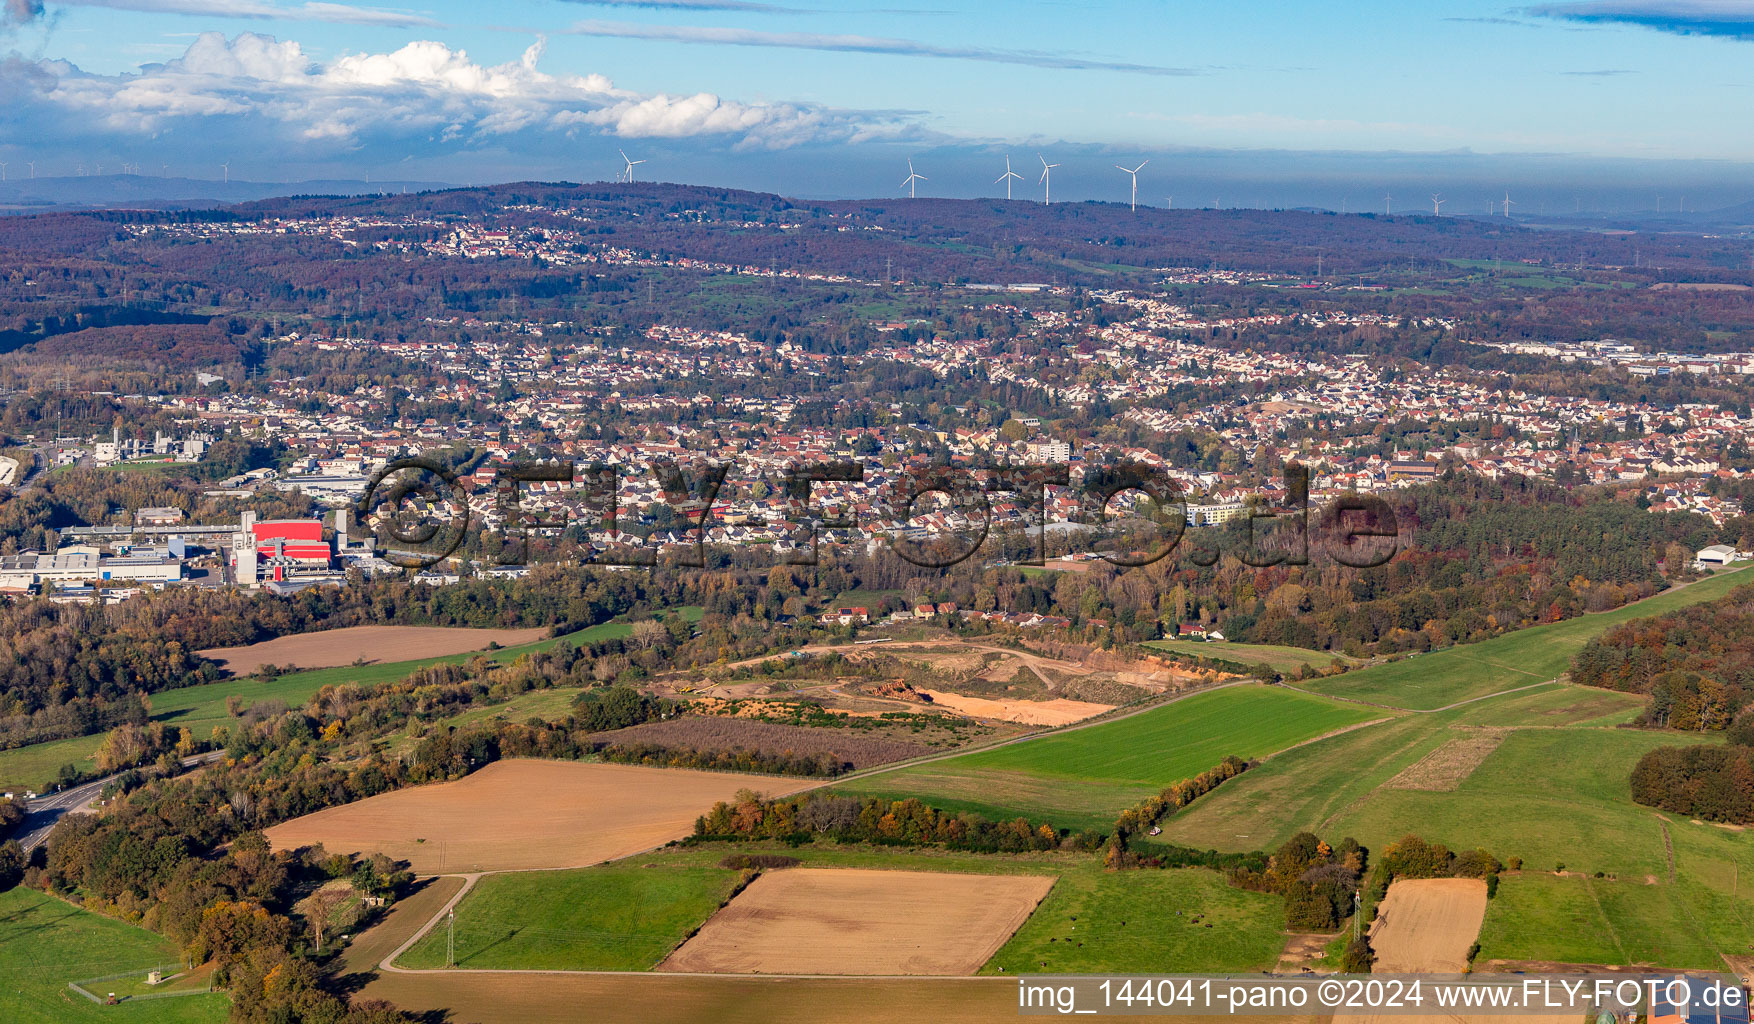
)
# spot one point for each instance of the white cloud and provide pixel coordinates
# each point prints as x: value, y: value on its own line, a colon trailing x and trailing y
x: 423, y: 92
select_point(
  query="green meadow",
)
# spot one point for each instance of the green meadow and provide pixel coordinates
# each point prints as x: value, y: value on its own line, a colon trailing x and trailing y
x: 1441, y: 678
x: 1554, y: 792
x: 1285, y: 660
x: 1143, y: 922
x: 46, y: 943
x: 627, y: 917
x: 620, y: 917
x: 1084, y: 777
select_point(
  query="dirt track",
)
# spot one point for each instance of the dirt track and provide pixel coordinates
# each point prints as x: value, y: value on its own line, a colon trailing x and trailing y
x: 858, y: 921
x: 332, y: 648
x: 520, y: 815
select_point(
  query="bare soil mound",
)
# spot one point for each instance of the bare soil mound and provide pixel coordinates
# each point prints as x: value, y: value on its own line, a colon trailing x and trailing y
x: 1059, y: 711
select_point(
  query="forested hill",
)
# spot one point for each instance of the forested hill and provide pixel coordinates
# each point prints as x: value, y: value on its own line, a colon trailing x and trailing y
x: 983, y: 240
x: 86, y: 288
x: 1008, y: 241
x: 1697, y: 664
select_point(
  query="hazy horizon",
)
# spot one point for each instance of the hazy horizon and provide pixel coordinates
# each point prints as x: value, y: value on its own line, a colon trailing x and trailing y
x: 1598, y: 105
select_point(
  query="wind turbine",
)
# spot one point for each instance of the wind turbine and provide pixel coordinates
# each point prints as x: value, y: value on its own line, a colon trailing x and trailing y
x: 225, y: 168
x: 1046, y: 180
x: 908, y: 182
x: 33, y: 167
x: 630, y: 163
x: 2, y: 170
x: 1171, y: 201
x: 1386, y: 199
x: 1437, y: 202
x: 1135, y: 176
x: 1508, y: 203
x: 1006, y: 177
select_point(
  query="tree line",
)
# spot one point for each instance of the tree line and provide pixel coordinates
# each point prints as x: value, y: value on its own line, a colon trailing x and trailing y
x: 1695, y: 664
x: 1714, y: 782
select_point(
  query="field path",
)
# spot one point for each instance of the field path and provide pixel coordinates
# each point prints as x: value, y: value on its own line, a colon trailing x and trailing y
x: 1330, y: 734
x: 1668, y: 847
x: 388, y: 963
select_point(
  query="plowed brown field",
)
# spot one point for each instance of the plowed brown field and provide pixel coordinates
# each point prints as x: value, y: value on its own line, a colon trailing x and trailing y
x: 522, y: 814
x: 332, y: 648
x: 855, y: 921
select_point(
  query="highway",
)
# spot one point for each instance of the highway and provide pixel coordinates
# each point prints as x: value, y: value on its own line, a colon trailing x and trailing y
x: 45, y: 810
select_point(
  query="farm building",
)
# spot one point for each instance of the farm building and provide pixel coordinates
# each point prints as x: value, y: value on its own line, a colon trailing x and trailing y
x: 846, y: 616
x: 1715, y: 557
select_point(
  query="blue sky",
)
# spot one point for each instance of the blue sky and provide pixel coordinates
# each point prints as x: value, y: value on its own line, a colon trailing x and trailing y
x: 1616, y: 98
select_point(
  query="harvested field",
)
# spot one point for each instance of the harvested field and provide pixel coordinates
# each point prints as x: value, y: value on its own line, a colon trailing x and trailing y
x: 1447, y: 767
x: 332, y: 648
x: 857, y: 921
x: 1059, y: 711
x: 858, y: 747
x: 520, y: 815
x: 1426, y: 925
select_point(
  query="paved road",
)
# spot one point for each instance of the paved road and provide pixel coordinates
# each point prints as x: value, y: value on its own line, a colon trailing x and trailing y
x: 44, y: 811
x: 32, y: 474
